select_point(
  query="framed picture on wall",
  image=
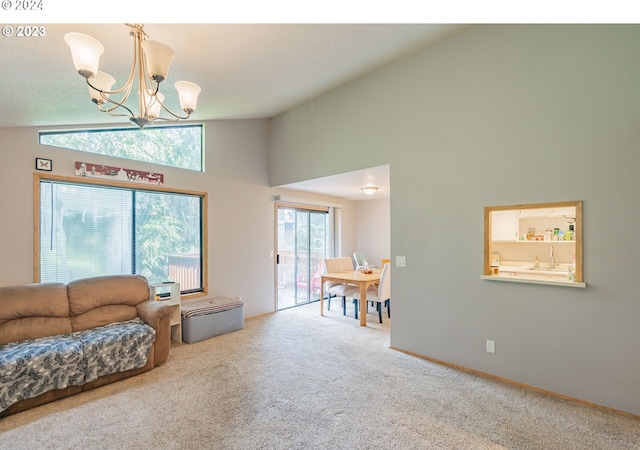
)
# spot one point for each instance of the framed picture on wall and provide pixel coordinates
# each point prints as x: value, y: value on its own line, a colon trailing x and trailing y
x: 44, y: 164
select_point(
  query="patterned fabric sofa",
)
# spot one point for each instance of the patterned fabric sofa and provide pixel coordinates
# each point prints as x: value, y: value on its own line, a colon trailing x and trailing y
x: 57, y: 340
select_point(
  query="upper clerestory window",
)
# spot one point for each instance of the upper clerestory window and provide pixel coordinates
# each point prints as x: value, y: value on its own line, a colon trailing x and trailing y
x: 176, y: 146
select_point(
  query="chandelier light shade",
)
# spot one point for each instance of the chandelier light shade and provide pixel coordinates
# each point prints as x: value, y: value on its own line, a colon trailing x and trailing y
x: 159, y: 57
x: 369, y: 190
x: 150, y: 67
x: 188, y: 93
x: 85, y: 52
x: 104, y: 82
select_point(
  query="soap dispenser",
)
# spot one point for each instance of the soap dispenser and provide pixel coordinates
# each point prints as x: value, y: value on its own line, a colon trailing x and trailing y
x: 536, y: 263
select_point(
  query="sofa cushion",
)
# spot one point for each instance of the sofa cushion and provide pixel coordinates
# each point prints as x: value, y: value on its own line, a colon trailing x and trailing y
x: 102, y: 316
x: 30, y: 368
x: 94, y: 302
x: 115, y: 347
x: 32, y: 311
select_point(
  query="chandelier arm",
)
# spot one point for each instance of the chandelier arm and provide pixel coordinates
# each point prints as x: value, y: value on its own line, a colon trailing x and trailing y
x: 177, y: 117
x: 171, y: 119
x: 128, y: 84
x: 116, y: 91
x: 137, y: 28
x: 126, y: 88
x: 112, y: 114
x: 145, y: 82
x: 146, y: 102
x: 142, y: 74
x: 116, y: 106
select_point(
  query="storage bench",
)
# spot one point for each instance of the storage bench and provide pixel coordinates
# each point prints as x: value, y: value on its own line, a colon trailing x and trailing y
x: 204, y: 319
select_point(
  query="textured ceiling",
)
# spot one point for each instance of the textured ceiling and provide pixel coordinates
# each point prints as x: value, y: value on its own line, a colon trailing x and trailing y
x: 245, y: 71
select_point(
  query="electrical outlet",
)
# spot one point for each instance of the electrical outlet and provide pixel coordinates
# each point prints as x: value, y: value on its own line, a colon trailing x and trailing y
x: 401, y: 261
x: 491, y: 346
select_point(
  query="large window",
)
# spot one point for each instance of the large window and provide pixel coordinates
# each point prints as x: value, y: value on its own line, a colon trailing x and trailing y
x: 176, y: 146
x: 98, y: 228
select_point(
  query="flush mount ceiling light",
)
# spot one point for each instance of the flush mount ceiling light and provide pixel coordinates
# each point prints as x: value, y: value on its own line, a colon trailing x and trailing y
x: 369, y: 190
x: 150, y: 66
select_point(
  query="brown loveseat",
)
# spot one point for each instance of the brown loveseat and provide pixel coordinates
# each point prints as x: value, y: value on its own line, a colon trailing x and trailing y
x: 42, y: 313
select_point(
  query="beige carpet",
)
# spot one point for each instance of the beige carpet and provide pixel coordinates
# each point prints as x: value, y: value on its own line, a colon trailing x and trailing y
x: 295, y: 380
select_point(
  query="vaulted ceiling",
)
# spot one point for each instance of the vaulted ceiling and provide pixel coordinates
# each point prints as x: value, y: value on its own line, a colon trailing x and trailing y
x: 249, y: 71
x: 245, y: 71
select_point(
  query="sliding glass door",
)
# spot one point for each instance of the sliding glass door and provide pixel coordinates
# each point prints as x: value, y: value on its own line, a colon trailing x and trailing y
x: 303, y: 242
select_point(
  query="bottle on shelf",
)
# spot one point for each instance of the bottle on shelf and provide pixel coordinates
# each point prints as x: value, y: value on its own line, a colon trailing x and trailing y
x: 571, y: 271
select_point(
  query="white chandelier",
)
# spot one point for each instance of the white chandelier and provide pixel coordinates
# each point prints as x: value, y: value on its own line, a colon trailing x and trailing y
x: 150, y: 66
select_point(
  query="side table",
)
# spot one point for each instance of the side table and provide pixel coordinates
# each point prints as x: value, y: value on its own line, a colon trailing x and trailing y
x: 156, y: 291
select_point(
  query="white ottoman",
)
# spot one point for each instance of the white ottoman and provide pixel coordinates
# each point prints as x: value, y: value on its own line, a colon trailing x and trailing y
x: 204, y: 319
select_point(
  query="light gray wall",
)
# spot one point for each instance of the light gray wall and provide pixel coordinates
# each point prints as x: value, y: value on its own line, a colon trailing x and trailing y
x: 499, y: 115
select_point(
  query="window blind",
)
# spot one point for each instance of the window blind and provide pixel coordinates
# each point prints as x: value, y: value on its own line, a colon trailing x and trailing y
x: 94, y: 230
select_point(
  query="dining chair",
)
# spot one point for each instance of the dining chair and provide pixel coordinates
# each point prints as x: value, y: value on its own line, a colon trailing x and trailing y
x: 359, y: 259
x: 381, y: 294
x: 336, y: 288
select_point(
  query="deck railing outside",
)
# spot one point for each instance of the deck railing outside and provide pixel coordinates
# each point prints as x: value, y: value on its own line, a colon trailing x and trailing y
x: 292, y: 272
x: 185, y: 269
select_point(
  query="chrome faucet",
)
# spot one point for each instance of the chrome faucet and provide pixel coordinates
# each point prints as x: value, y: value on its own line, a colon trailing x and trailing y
x: 552, y: 263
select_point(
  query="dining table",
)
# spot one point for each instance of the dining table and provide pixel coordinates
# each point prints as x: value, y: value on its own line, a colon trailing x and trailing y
x: 357, y: 278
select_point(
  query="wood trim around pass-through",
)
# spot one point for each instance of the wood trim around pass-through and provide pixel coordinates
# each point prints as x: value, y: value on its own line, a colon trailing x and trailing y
x: 578, y: 229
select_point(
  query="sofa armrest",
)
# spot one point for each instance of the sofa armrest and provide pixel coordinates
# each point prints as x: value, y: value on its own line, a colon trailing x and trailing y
x: 152, y: 311
x: 158, y: 315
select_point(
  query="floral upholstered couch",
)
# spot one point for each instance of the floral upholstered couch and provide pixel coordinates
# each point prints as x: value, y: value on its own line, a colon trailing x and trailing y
x: 57, y: 340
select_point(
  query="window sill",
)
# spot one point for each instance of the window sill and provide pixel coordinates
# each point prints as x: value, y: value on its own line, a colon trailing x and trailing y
x: 510, y: 278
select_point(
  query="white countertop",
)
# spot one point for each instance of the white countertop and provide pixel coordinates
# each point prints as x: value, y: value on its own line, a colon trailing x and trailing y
x: 560, y: 270
x: 524, y: 273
